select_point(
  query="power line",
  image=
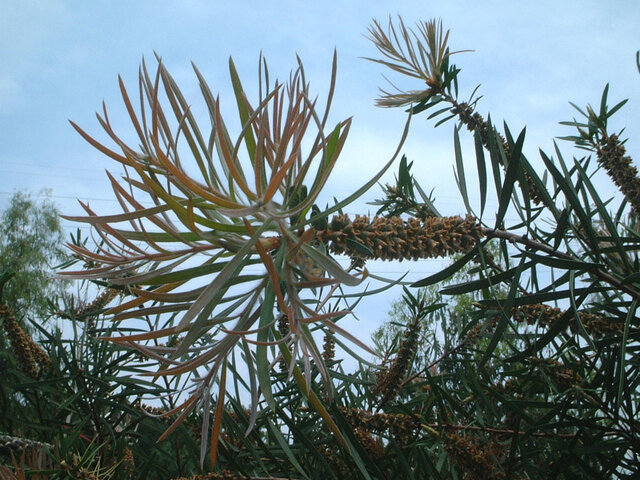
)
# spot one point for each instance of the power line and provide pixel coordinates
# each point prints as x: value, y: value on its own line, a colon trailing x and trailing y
x: 46, y: 174
x: 40, y: 167
x: 71, y: 197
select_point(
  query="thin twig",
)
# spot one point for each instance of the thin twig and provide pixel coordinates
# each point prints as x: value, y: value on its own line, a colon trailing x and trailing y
x: 502, y: 431
x: 533, y: 244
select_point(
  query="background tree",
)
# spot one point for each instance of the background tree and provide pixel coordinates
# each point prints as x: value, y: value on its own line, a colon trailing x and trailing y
x: 31, y: 246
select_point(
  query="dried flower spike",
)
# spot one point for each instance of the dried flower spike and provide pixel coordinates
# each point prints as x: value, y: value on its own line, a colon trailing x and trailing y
x: 28, y: 353
x: 17, y: 445
x: 545, y: 315
x: 329, y: 348
x: 390, y: 380
x: 612, y: 156
x: 475, y: 462
x: 393, y: 238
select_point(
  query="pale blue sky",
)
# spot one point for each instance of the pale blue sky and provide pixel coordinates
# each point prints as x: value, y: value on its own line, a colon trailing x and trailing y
x: 60, y: 59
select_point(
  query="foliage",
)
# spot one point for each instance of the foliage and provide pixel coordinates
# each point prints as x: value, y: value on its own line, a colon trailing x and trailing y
x: 540, y: 377
x: 438, y: 330
x: 562, y: 400
x: 30, y: 248
x: 219, y: 215
x: 83, y: 412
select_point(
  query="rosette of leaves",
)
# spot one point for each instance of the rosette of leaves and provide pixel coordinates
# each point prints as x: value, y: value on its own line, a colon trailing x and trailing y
x: 216, y: 235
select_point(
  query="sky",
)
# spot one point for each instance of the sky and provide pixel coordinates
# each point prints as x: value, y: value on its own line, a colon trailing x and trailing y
x: 59, y: 60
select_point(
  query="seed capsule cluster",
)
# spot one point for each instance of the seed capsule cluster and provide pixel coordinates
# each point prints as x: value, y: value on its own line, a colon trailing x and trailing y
x: 474, y: 334
x: 33, y: 360
x: 476, y: 463
x: 477, y: 124
x: 128, y: 462
x: 390, y: 380
x: 156, y: 412
x: 612, y: 156
x: 283, y: 328
x: 336, y: 459
x: 401, y: 427
x: 594, y: 324
x: 17, y: 445
x: 328, y: 348
x: 394, y: 238
x: 563, y: 377
x: 96, y: 305
x: 373, y: 445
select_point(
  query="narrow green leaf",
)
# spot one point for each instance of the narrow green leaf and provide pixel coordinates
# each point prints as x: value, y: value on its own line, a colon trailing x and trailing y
x: 264, y: 335
x: 574, y: 305
x: 579, y: 109
x: 503, y: 322
x: 450, y: 270
x: 566, y: 264
x: 331, y: 266
x: 339, y: 205
x: 604, y: 217
x: 163, y: 237
x: 425, y: 198
x: 569, y: 191
x: 497, y: 156
x: 208, y: 296
x: 561, y: 228
x: 482, y: 171
x: 4, y: 278
x: 513, y: 172
x: 573, y: 123
x: 122, y: 217
x: 217, y: 423
x: 285, y: 448
x: 249, y: 361
x: 479, y: 284
x: 314, y: 400
x: 404, y: 174
x: 544, y: 297
x: 243, y: 110
x: 603, y: 102
x: 359, y: 247
x: 302, y: 434
x: 187, y: 274
x: 190, y: 129
x: 633, y: 278
x: 436, y: 113
x: 444, y: 120
x: 616, y: 108
x: 332, y: 143
x: 459, y: 171
x: 622, y: 378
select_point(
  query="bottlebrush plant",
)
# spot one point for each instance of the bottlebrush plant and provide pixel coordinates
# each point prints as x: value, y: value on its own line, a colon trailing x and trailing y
x: 221, y: 241
x: 228, y: 242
